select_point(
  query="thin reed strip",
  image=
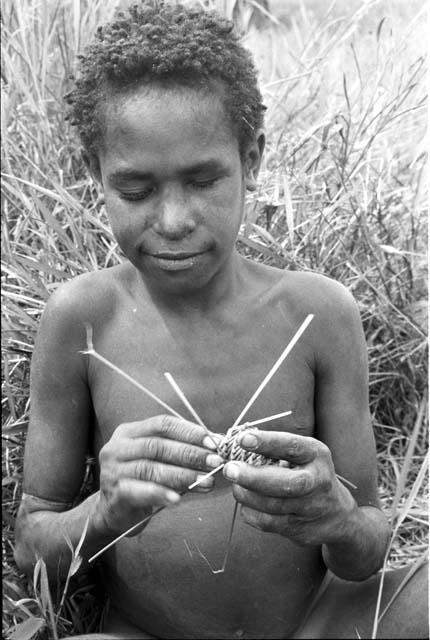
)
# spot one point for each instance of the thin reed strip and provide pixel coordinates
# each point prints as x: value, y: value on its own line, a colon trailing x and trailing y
x: 230, y: 538
x: 187, y: 403
x: 90, y: 351
x: 275, y: 367
x: 126, y: 533
x: 228, y: 547
x: 262, y: 420
x: 184, y: 399
x: 154, y: 513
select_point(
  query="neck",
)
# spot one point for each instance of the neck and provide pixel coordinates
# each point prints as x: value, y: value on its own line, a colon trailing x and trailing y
x: 224, y: 286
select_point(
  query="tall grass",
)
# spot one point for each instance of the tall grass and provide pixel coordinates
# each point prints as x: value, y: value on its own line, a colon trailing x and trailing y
x: 341, y: 192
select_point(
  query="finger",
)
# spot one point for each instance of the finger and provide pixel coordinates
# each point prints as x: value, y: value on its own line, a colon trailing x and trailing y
x: 292, y: 447
x: 169, y: 452
x: 262, y: 503
x: 144, y: 494
x: 264, y: 521
x: 270, y: 480
x: 301, y: 532
x: 167, y: 475
x: 168, y: 427
x: 277, y: 506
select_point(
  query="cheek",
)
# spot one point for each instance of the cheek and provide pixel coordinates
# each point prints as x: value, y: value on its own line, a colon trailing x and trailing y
x: 121, y: 226
x: 127, y: 223
x: 228, y: 206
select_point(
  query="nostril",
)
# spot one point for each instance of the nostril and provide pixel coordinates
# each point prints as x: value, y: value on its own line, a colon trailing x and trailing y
x: 174, y: 228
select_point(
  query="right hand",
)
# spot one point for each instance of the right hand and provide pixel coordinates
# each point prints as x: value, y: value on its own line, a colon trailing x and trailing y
x: 148, y: 463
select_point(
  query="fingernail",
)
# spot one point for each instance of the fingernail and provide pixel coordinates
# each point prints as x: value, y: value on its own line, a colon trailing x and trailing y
x: 210, y: 442
x: 172, y: 497
x: 249, y: 440
x: 213, y: 460
x: 207, y: 482
x: 231, y: 471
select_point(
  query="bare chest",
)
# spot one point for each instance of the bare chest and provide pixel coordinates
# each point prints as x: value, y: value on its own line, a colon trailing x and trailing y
x: 217, y: 367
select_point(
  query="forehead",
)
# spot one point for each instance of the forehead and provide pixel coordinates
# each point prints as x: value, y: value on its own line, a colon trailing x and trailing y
x: 159, y: 124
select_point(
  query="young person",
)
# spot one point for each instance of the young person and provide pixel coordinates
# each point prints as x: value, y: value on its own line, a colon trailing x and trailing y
x: 171, y: 120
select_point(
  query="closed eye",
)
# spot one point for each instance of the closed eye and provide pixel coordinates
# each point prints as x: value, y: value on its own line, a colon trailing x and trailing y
x: 203, y: 184
x: 135, y: 195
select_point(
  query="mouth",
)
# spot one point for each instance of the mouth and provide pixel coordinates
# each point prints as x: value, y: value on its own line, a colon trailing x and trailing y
x: 176, y: 260
x: 176, y: 255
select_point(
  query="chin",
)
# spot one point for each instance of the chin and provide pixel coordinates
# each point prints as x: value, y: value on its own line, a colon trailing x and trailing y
x: 178, y: 284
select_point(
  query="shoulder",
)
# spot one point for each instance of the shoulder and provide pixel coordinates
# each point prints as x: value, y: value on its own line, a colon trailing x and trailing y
x: 336, y: 329
x: 300, y: 293
x: 89, y: 298
x: 89, y: 292
x: 306, y: 292
x: 320, y: 294
x: 336, y: 319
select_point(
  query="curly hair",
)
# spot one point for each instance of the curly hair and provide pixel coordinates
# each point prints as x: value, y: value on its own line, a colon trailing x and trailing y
x: 169, y: 44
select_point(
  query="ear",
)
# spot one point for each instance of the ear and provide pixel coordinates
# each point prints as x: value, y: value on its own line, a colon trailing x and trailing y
x: 252, y: 160
x: 93, y: 166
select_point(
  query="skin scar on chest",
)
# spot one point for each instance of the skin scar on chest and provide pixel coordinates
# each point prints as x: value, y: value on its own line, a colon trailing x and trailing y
x: 227, y: 449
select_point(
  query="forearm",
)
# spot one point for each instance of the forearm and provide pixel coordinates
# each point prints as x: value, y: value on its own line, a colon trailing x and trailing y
x: 360, y: 550
x: 42, y: 534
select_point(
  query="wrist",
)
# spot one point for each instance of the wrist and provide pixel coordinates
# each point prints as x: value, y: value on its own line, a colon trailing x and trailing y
x: 359, y: 550
x: 346, y: 520
x: 98, y: 522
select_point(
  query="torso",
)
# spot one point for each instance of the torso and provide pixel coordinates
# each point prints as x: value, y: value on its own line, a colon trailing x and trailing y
x: 158, y: 579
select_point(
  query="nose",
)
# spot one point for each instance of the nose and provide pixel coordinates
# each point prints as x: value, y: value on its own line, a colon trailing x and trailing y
x: 174, y: 220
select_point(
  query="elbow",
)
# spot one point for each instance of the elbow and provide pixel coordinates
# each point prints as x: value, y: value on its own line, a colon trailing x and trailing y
x: 23, y: 560
x: 24, y: 554
x: 27, y: 540
x: 32, y: 541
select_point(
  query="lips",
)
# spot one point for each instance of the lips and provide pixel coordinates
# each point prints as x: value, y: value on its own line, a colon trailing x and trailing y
x: 176, y: 255
x: 176, y: 260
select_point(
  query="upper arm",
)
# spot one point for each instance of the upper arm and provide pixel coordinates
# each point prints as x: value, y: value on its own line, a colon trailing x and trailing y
x: 61, y: 409
x: 341, y: 394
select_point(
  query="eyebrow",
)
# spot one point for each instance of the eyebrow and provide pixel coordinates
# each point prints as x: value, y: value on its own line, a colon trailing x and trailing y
x: 122, y: 175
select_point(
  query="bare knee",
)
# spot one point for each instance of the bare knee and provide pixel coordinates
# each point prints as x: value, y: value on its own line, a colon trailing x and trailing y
x: 348, y: 609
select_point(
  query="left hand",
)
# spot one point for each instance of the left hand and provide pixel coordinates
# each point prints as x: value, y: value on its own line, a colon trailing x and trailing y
x: 306, y: 503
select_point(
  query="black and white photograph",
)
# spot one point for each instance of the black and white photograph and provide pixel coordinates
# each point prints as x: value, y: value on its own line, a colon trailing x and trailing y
x: 214, y: 319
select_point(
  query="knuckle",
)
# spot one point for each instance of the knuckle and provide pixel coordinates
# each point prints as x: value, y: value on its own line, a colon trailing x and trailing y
x: 302, y: 483
x: 267, y: 522
x: 275, y: 506
x: 322, y: 449
x: 295, y: 445
x: 121, y: 489
x: 120, y: 431
x: 191, y: 458
x: 177, y: 479
x: 167, y: 423
x: 181, y: 479
x: 251, y: 516
x: 143, y: 470
x: 325, y: 484
x: 154, y: 448
x: 307, y: 509
x: 104, y: 454
x: 259, y: 519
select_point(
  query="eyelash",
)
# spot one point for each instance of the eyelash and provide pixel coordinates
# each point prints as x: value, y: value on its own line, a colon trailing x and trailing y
x: 204, y: 184
x: 139, y: 195
x: 142, y: 195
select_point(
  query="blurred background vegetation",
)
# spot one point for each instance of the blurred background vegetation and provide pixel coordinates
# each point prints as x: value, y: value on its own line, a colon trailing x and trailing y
x: 342, y: 192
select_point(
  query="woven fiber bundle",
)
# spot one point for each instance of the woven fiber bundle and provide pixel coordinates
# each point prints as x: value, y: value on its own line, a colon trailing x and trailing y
x: 230, y: 449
